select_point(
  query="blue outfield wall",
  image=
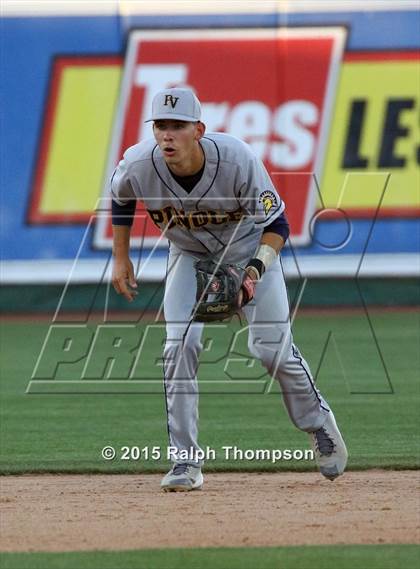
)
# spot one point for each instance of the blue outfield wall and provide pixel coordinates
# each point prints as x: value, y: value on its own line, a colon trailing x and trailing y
x: 28, y: 48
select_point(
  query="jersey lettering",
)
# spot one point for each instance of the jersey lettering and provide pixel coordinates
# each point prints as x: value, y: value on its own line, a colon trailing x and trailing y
x: 170, y: 216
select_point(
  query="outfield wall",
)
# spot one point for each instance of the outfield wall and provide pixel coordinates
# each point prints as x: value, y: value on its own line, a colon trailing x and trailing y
x: 326, y: 93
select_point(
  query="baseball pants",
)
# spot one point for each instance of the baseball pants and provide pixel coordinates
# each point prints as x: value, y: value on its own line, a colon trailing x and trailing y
x: 269, y: 340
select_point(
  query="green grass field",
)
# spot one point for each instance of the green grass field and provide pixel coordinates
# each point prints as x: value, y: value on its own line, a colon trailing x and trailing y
x: 59, y: 432
x: 61, y: 425
x: 316, y: 557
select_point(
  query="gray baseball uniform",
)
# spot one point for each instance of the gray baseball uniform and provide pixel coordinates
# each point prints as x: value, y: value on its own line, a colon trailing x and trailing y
x: 223, y: 216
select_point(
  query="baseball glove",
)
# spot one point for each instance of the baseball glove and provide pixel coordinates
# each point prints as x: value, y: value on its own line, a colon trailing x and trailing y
x: 221, y: 290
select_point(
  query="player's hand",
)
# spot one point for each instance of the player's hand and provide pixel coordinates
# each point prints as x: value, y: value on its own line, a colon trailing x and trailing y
x: 123, y: 279
x: 247, y: 292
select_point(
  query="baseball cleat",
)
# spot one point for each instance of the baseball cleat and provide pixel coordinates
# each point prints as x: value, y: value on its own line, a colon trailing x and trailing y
x: 329, y: 448
x: 182, y: 478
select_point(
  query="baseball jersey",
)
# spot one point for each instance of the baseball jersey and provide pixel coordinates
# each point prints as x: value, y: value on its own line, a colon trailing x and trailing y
x: 225, y: 213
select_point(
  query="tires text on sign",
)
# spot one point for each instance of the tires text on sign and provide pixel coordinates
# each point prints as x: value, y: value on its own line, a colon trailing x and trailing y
x: 272, y: 88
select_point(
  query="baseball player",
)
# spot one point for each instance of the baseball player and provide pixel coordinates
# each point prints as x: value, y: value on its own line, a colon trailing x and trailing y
x: 216, y: 204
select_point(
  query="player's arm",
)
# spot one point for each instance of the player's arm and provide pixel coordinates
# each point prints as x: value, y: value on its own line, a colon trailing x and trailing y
x: 123, y: 278
x: 272, y: 241
x: 259, y: 199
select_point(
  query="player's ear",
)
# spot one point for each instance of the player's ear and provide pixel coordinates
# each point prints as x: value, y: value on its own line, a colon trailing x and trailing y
x: 200, y: 130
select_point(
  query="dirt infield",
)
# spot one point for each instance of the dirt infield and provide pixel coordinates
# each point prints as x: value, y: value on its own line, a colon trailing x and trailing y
x: 85, y: 512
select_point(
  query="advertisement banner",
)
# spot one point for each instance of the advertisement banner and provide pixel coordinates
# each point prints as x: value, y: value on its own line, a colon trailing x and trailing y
x: 328, y: 105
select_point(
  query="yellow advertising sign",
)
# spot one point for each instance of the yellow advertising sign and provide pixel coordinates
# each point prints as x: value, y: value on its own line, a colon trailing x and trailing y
x: 375, y: 132
x: 77, y: 131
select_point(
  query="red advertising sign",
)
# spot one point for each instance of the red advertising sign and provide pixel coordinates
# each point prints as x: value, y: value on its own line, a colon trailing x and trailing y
x: 272, y: 88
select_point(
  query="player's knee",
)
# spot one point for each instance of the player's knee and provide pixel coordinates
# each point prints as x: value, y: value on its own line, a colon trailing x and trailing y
x: 273, y: 351
x: 179, y: 354
x: 273, y: 360
x: 191, y: 348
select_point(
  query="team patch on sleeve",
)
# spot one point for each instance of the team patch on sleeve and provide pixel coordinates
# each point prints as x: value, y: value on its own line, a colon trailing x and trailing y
x: 268, y: 200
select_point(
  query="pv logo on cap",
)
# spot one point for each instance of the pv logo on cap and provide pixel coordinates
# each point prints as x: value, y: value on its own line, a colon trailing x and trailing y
x: 171, y: 100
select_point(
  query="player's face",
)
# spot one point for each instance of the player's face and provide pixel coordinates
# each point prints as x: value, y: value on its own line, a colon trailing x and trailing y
x: 177, y: 139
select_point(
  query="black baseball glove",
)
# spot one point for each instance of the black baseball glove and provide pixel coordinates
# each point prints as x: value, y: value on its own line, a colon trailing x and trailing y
x: 221, y: 290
